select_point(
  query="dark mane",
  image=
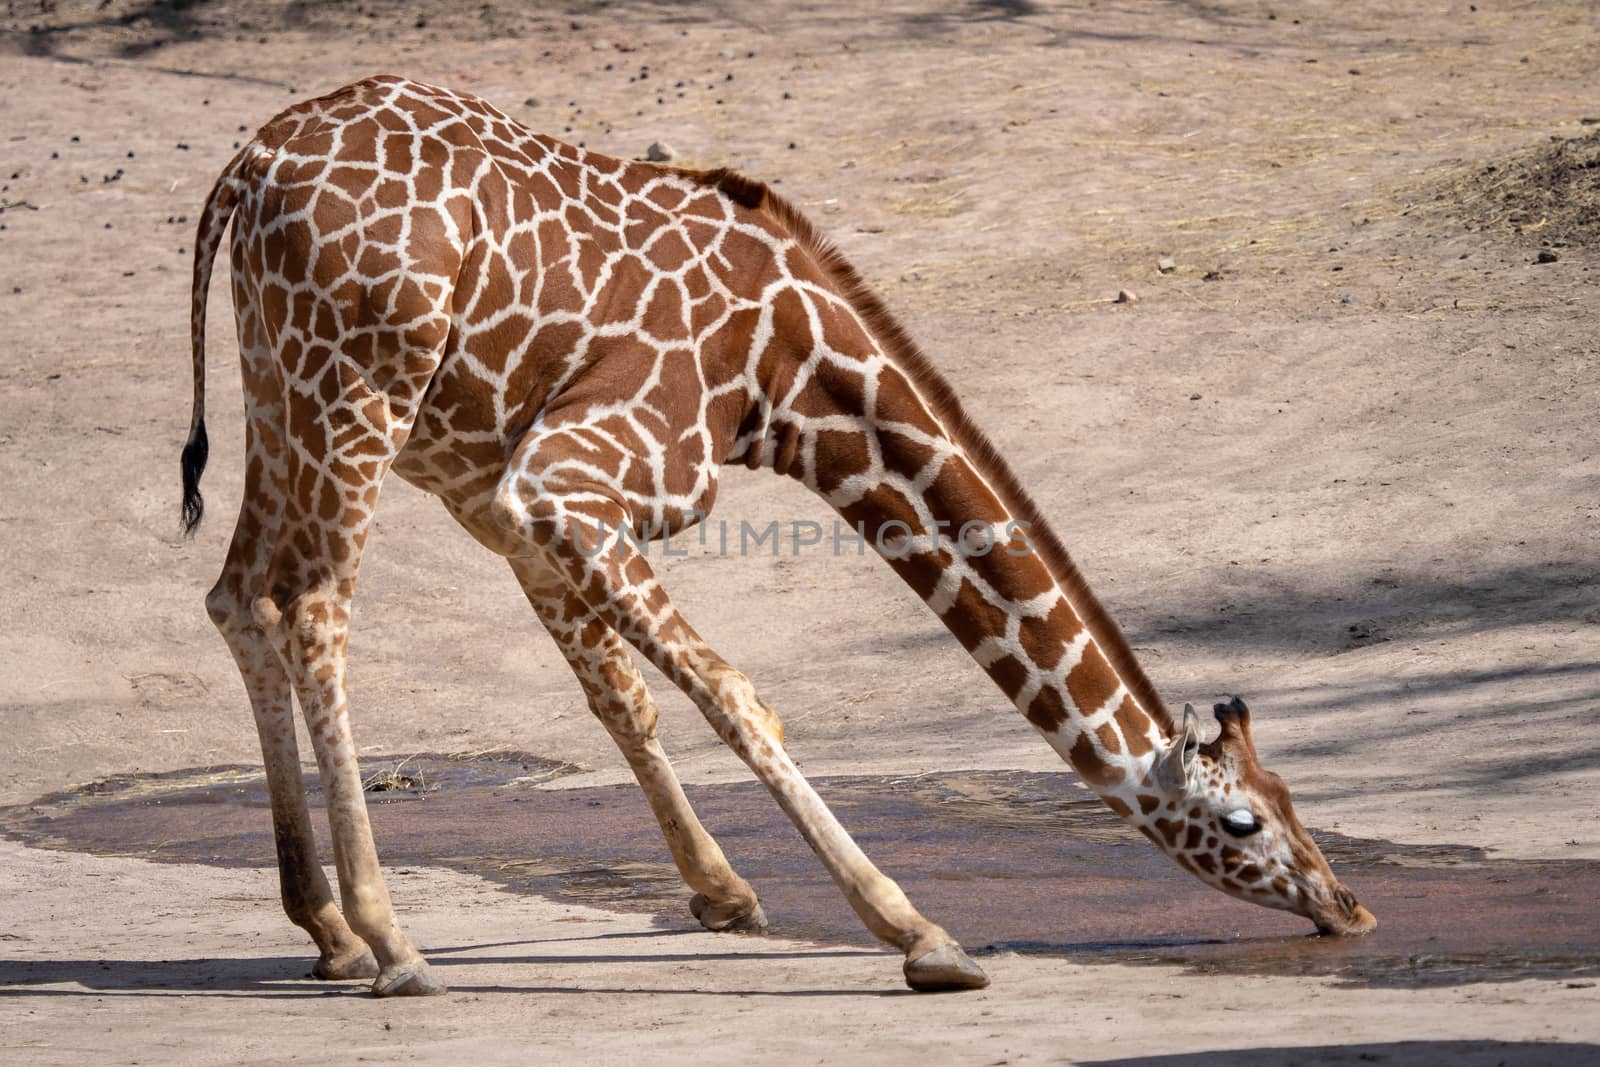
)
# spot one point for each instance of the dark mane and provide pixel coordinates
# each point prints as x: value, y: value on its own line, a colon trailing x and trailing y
x: 936, y: 390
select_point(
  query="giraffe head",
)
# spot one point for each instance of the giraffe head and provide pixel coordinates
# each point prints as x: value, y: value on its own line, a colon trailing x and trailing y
x: 1229, y: 821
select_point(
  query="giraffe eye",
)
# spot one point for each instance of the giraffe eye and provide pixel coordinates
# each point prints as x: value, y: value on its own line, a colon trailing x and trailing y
x: 1241, y: 823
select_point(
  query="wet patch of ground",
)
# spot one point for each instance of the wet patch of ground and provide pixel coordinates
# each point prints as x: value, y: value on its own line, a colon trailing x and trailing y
x: 1007, y: 861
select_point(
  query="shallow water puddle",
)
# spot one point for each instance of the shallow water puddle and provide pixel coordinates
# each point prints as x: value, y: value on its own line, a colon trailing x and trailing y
x: 1004, y: 860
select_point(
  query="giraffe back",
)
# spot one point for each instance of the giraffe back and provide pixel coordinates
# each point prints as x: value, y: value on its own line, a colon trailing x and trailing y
x: 488, y: 280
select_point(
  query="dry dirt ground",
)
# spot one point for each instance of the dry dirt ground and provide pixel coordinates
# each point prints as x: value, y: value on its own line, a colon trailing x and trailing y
x: 1342, y: 460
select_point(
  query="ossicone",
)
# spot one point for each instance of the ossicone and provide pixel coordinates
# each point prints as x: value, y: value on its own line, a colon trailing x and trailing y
x: 1235, y: 720
x: 1233, y: 708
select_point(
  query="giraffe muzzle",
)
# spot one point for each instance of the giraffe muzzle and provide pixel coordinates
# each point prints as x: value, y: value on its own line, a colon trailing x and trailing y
x: 1343, y: 916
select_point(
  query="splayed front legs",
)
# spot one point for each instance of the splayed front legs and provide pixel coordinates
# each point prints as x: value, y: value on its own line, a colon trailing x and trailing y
x: 723, y: 901
x: 617, y: 584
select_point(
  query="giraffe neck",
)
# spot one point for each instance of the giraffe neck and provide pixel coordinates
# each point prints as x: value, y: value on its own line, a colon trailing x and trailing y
x: 1013, y: 616
x: 858, y: 415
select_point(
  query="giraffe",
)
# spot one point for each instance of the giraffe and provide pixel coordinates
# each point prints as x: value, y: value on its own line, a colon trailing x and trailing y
x: 559, y: 345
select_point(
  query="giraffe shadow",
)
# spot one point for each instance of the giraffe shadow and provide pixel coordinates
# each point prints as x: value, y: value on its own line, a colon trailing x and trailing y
x: 282, y: 977
x: 1453, y: 1053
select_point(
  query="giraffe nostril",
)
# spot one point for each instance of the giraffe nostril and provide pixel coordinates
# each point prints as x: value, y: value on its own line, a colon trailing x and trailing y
x: 1347, y: 900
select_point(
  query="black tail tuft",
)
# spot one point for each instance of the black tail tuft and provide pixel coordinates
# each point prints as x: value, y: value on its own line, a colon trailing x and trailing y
x: 194, y: 465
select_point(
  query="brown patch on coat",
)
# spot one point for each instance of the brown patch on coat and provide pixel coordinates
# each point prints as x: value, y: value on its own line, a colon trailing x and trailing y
x: 1091, y: 682
x: 1046, y: 711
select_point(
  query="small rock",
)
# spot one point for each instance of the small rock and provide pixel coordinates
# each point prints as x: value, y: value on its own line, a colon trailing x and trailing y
x: 1211, y: 276
x: 1546, y: 255
x: 1347, y: 299
x: 1127, y: 296
x: 532, y: 101
x: 1194, y: 396
x: 1166, y: 265
x: 660, y: 152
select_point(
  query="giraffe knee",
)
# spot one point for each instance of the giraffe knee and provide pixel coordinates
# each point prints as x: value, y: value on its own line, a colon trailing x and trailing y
x: 508, y: 515
x: 317, y: 622
x: 225, y: 606
x: 310, y: 623
x: 266, y: 613
x: 750, y: 715
x: 767, y: 722
x: 630, y: 718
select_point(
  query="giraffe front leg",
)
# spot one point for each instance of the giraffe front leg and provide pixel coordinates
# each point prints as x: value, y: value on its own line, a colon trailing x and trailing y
x: 934, y: 961
x: 722, y: 901
x: 561, y: 518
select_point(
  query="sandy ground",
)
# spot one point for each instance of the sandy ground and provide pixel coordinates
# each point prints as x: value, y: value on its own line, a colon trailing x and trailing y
x: 1338, y: 460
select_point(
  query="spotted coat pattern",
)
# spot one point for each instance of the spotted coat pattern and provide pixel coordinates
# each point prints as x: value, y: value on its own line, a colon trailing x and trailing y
x: 558, y: 344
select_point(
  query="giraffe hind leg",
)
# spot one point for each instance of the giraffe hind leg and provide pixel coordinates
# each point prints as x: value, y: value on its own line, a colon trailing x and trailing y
x: 335, y: 467
x: 307, y: 898
x: 722, y: 900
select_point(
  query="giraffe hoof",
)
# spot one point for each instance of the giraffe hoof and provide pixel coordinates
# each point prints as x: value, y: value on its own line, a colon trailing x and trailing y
x: 945, y: 969
x: 725, y: 918
x: 409, y: 979
x: 359, y: 964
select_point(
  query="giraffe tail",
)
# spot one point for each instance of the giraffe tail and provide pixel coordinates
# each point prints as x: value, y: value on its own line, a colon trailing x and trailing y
x: 208, y: 238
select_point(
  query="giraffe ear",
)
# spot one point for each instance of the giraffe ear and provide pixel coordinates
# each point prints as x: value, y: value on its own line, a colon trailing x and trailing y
x: 1174, y: 769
